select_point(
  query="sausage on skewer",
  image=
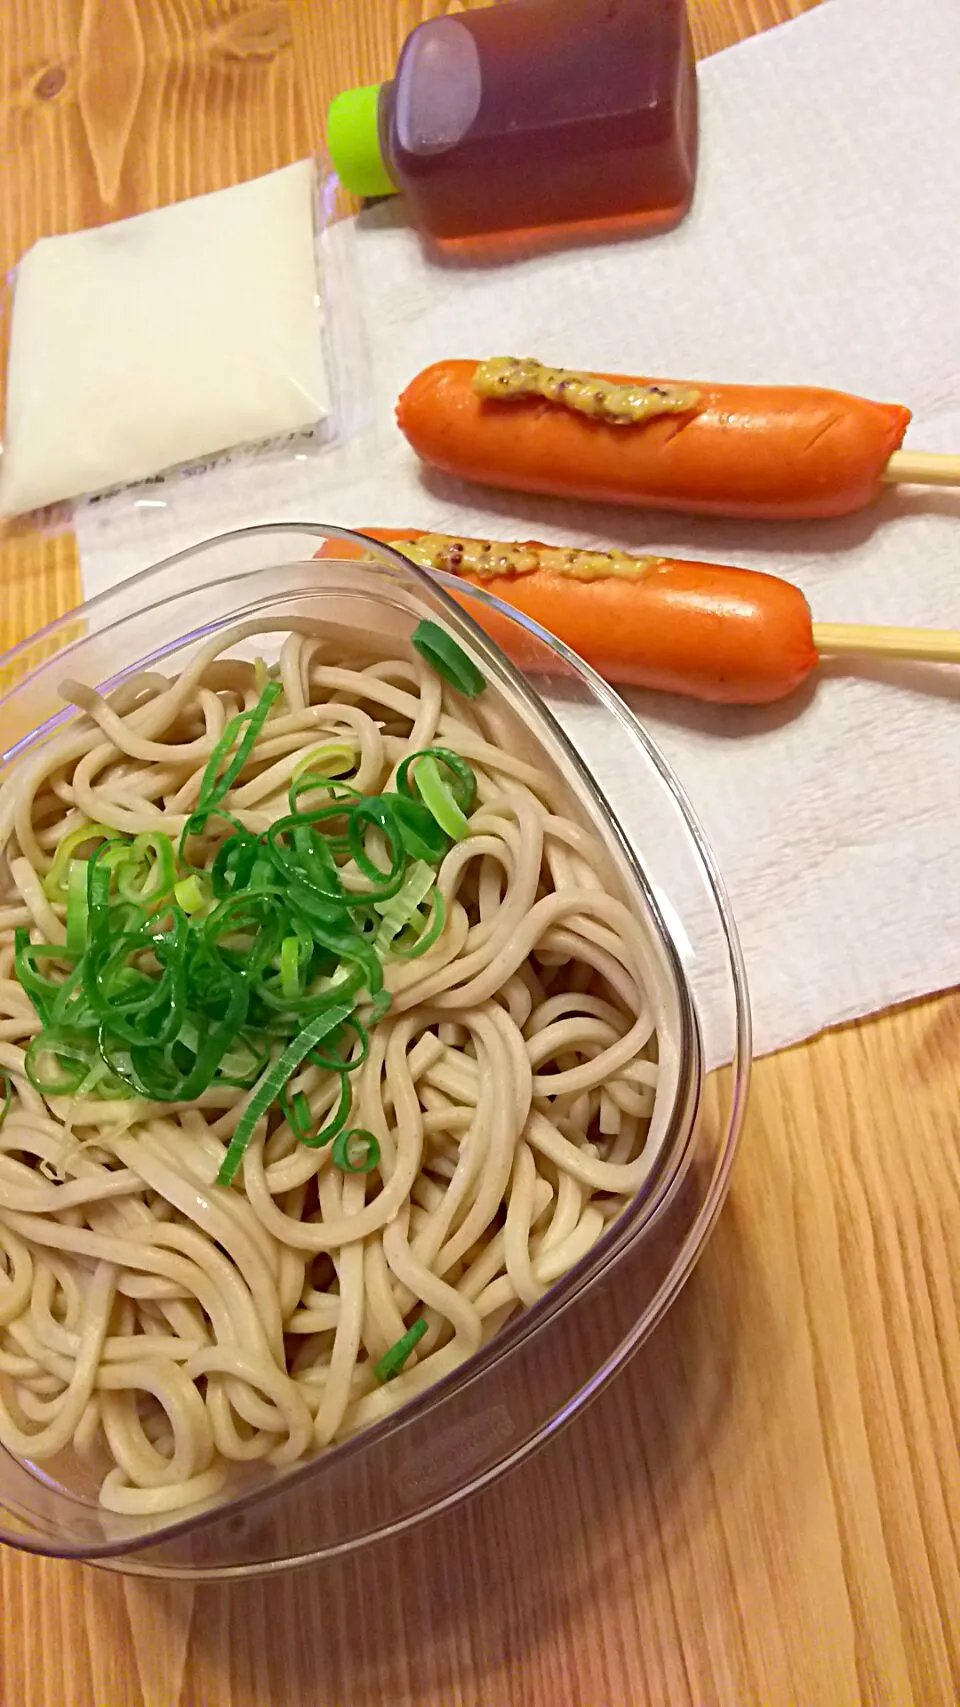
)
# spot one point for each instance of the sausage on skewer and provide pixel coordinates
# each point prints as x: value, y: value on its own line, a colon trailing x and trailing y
x: 709, y: 631
x: 771, y: 452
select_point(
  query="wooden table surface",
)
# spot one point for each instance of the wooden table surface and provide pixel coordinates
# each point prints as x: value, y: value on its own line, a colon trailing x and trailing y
x: 765, y: 1509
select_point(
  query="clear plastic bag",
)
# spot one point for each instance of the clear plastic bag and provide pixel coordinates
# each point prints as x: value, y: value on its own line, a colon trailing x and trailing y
x: 220, y: 329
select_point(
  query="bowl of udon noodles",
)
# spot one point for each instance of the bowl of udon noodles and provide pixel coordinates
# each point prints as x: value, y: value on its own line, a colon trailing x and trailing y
x: 374, y: 1043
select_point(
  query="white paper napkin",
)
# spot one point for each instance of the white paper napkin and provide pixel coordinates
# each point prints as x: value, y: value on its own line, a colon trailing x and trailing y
x: 823, y: 247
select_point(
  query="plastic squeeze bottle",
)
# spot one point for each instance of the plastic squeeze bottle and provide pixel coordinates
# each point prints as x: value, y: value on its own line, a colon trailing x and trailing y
x: 534, y: 114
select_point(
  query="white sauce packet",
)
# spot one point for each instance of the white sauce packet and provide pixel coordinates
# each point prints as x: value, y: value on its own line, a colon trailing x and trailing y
x: 163, y: 338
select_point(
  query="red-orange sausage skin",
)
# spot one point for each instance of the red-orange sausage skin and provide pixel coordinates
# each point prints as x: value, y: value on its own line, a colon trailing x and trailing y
x: 708, y: 631
x: 773, y: 452
x: 742, y: 644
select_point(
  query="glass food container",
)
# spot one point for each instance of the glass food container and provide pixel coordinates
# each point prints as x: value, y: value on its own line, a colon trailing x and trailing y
x: 545, y: 1365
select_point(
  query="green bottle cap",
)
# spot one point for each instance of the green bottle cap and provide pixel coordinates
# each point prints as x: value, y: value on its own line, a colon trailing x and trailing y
x: 353, y: 138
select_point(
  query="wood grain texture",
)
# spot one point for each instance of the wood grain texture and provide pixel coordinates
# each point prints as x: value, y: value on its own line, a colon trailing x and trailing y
x: 39, y: 580
x: 764, y: 1511
x: 110, y: 76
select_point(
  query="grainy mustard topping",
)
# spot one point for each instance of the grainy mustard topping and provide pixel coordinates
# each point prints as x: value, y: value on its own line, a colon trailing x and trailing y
x: 484, y: 559
x: 509, y: 378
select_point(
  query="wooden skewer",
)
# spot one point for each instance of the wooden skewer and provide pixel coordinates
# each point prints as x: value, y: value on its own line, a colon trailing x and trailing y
x: 922, y: 468
x: 933, y: 645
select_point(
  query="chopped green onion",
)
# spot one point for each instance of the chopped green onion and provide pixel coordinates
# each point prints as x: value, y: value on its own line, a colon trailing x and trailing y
x: 333, y: 786
x: 214, y: 784
x: 57, y: 1064
x: 301, y: 1120
x: 255, y: 721
x: 392, y: 1361
x: 248, y: 971
x: 290, y: 968
x: 376, y: 814
x: 419, y: 831
x: 242, y: 1063
x: 273, y: 1080
x: 438, y: 798
x: 459, y: 775
x: 191, y: 894
x: 337, y: 1063
x: 411, y: 947
x: 148, y: 874
x: 54, y: 884
x: 77, y: 906
x: 450, y: 661
x: 355, y: 1152
x: 299, y: 1114
x: 405, y: 905
x: 43, y: 992
x: 393, y: 936
x: 324, y: 763
x: 329, y: 758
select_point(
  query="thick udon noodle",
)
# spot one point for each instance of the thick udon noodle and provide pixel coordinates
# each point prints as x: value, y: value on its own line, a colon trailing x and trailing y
x: 166, y: 1329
